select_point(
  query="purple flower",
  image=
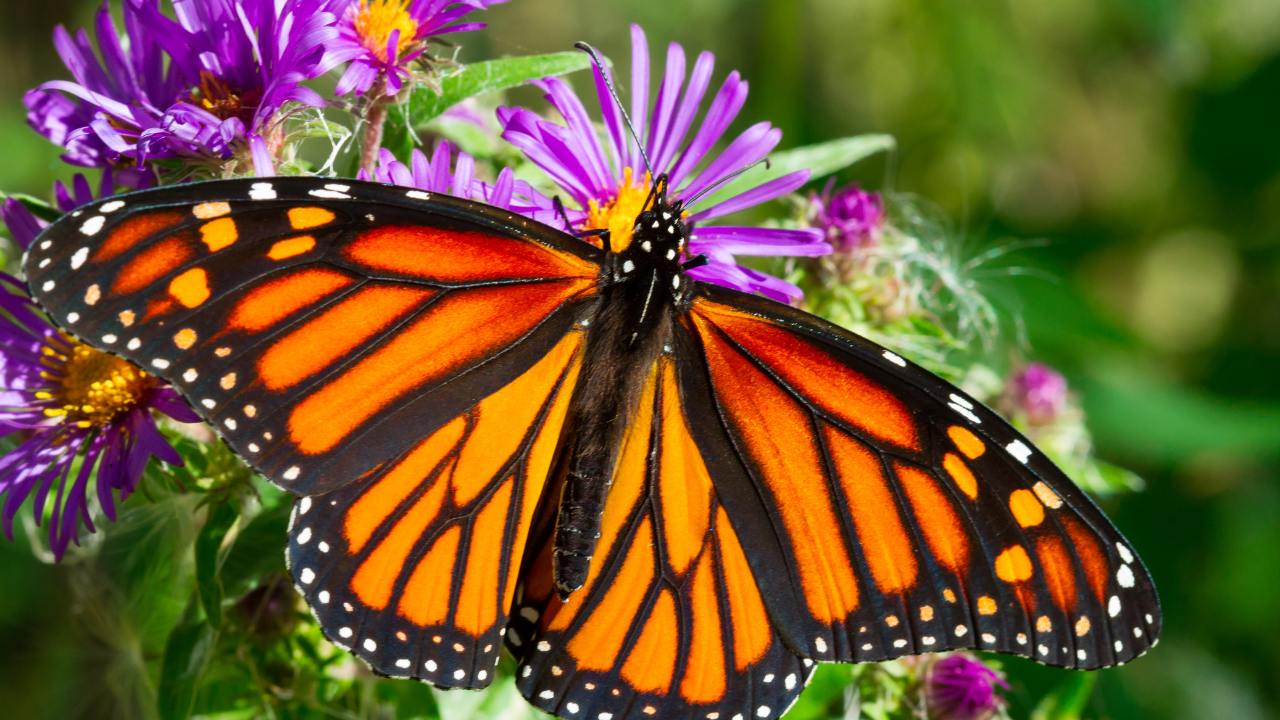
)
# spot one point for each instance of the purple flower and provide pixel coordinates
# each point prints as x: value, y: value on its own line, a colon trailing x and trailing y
x: 381, y: 37
x: 70, y: 401
x: 958, y: 687
x: 1040, y: 392
x: 25, y: 226
x: 850, y: 218
x: 231, y: 66
x: 609, y: 183
x: 433, y: 176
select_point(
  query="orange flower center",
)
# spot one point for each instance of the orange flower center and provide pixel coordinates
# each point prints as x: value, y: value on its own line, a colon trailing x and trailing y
x: 377, y: 19
x: 95, y: 388
x: 223, y: 101
x: 619, y: 215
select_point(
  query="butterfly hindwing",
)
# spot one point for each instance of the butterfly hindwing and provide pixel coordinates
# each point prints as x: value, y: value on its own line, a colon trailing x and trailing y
x: 907, y: 517
x: 322, y: 329
x: 413, y: 567
x: 671, y: 622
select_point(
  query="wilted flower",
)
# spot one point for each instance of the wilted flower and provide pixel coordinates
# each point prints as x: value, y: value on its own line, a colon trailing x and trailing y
x: 610, y: 187
x: 1039, y: 391
x: 958, y: 687
x: 381, y: 37
x: 231, y: 66
x: 850, y: 218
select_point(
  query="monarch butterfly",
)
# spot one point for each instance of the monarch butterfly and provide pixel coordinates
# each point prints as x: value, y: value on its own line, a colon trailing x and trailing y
x: 663, y: 497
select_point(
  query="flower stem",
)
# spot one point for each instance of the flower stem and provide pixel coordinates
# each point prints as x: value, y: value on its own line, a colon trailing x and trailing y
x: 375, y: 117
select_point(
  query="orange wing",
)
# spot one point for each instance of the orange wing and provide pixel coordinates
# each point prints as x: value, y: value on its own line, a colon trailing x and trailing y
x: 671, y: 622
x: 412, y: 567
x: 890, y: 514
x: 323, y: 330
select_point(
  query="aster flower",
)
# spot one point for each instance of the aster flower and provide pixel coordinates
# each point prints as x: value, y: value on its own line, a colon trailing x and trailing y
x: 232, y: 65
x: 71, y: 402
x: 24, y: 226
x: 608, y: 180
x: 1039, y: 391
x: 433, y: 175
x: 381, y: 37
x: 850, y: 218
x: 958, y: 687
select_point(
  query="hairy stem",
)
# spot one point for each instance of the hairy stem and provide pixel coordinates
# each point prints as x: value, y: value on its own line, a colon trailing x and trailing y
x: 375, y: 117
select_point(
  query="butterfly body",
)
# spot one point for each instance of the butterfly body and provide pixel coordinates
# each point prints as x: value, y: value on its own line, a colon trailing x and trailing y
x: 643, y: 288
x: 663, y: 497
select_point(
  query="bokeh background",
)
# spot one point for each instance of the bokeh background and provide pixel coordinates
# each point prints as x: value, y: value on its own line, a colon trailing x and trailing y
x: 1140, y: 139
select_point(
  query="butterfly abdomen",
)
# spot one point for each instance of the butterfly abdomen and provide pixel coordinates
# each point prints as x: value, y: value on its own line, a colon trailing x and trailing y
x: 601, y: 411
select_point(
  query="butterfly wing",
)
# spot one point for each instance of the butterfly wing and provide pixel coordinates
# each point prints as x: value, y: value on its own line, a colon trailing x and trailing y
x: 322, y: 329
x: 671, y: 622
x: 412, y: 567
x: 885, y: 513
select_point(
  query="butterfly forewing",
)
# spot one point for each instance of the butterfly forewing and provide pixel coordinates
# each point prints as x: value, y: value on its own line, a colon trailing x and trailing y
x: 321, y: 328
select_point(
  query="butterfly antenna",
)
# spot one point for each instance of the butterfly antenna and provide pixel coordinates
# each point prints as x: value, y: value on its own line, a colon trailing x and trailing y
x: 595, y: 58
x: 721, y: 182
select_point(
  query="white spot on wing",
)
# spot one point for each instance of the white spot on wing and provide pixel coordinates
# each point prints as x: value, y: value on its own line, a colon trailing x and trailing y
x: 370, y: 645
x: 1113, y: 606
x: 109, y: 339
x: 403, y: 663
x: 1125, y: 553
x: 966, y: 412
x: 93, y: 225
x: 134, y: 344
x: 112, y: 206
x: 47, y: 286
x: 1124, y: 576
x: 79, y: 257
x: 345, y: 632
x: 820, y: 644
x: 430, y: 665
x: 308, y: 576
x: 262, y: 191
x: 895, y: 359
x: 329, y: 194
x: 1019, y: 450
x: 418, y: 195
x: 190, y: 375
x: 323, y: 597
x: 73, y: 317
x: 160, y: 363
x: 304, y: 506
x: 899, y: 643
x: 292, y: 473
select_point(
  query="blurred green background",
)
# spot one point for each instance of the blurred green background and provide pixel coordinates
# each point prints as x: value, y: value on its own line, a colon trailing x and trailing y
x: 1139, y: 138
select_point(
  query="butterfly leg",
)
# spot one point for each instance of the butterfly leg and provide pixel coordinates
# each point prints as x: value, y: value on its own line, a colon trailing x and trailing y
x: 602, y: 233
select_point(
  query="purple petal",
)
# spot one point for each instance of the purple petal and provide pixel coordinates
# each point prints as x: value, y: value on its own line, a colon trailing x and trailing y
x: 760, y: 194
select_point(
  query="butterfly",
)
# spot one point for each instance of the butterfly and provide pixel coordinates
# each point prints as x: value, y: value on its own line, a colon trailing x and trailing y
x: 662, y: 496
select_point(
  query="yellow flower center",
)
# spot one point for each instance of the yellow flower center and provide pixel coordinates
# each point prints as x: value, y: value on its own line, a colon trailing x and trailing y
x: 95, y: 388
x: 619, y: 215
x: 377, y: 19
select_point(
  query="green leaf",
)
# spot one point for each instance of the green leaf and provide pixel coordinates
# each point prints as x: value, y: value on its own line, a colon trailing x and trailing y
x: 426, y: 103
x: 186, y: 656
x: 1067, y: 701
x: 39, y: 208
x: 209, y: 556
x: 821, y: 159
x: 258, y: 550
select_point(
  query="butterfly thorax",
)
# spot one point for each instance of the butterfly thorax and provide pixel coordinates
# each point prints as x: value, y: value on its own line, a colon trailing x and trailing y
x: 643, y: 288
